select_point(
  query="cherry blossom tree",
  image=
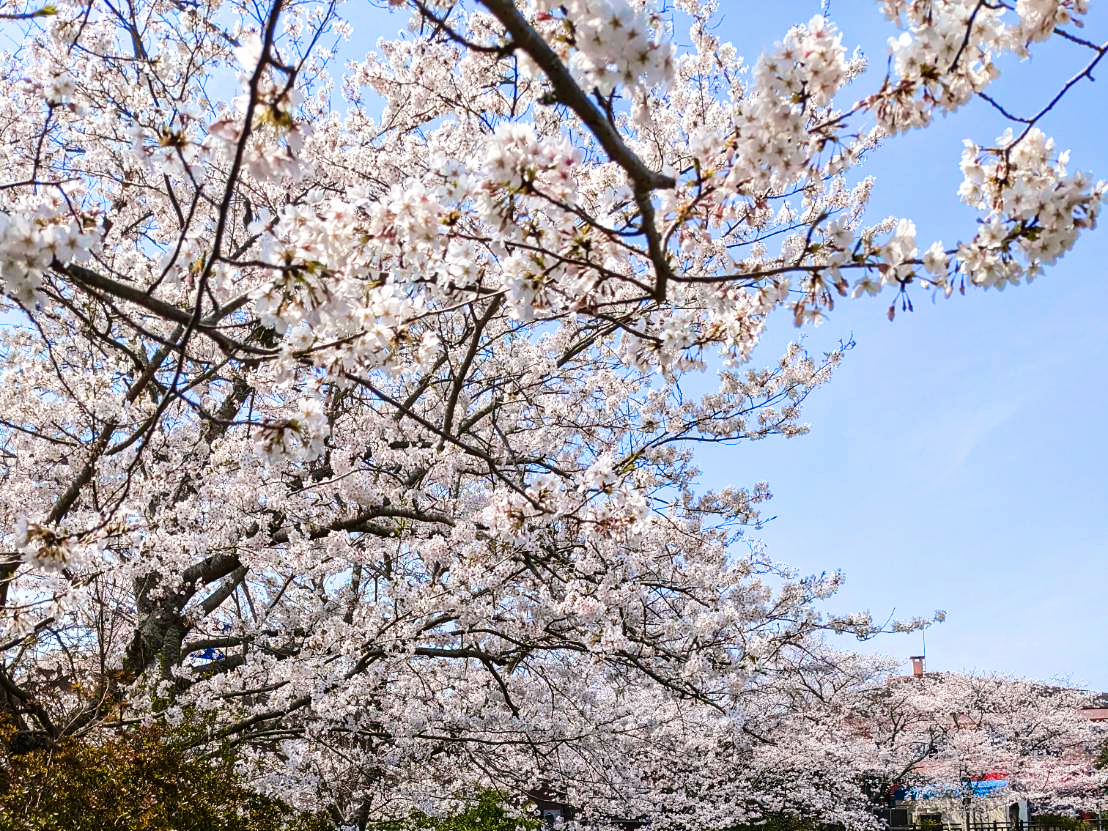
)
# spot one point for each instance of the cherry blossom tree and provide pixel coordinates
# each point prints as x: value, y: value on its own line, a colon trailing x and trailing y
x: 931, y: 732
x: 1036, y: 735
x: 347, y: 409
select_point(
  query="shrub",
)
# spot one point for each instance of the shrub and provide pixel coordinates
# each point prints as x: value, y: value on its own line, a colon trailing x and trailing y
x: 139, y: 779
x: 488, y: 812
x: 1059, y: 821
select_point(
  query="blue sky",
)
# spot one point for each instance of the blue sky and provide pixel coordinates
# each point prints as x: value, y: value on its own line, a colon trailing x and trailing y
x: 958, y: 458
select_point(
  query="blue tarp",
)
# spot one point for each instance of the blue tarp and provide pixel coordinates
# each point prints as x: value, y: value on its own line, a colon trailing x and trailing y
x: 980, y: 787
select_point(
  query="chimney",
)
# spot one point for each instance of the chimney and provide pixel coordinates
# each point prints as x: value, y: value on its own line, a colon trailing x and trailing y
x: 917, y: 666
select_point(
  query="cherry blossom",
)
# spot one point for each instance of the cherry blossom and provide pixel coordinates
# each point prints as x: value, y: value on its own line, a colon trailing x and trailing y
x: 383, y: 381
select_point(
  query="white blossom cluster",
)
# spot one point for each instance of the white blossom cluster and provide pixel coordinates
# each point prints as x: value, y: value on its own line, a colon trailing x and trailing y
x: 949, y: 49
x: 300, y: 438
x: 809, y: 64
x: 1034, y: 207
x: 31, y: 238
x: 614, y: 42
x: 518, y: 159
x: 1039, y: 18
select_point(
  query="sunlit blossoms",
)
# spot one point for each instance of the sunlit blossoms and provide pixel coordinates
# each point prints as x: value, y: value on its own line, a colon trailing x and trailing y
x: 1034, y: 207
x: 350, y: 408
x: 32, y: 236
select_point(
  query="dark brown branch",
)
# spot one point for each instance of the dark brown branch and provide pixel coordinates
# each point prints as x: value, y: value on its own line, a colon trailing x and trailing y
x: 566, y: 90
x: 91, y: 280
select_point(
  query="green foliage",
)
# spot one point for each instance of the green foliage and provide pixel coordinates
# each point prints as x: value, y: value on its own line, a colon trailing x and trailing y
x: 489, y: 812
x: 1060, y: 821
x: 782, y: 822
x: 141, y: 779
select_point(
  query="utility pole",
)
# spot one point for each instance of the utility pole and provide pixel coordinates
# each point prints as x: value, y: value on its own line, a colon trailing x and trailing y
x: 967, y: 797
